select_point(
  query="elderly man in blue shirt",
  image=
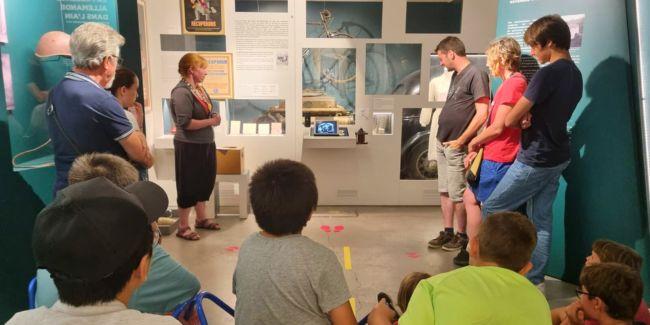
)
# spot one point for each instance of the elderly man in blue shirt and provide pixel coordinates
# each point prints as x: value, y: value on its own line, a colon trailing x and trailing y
x: 82, y: 116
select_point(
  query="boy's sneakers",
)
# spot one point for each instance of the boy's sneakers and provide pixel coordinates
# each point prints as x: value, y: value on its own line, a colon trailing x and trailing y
x: 462, y: 259
x: 442, y: 239
x: 459, y: 241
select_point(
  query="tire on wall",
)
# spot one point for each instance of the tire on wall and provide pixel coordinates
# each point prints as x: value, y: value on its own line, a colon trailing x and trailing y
x: 418, y: 165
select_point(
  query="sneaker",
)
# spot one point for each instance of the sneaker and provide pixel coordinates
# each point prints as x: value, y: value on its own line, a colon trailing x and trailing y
x: 455, y: 244
x: 442, y: 239
x: 462, y: 259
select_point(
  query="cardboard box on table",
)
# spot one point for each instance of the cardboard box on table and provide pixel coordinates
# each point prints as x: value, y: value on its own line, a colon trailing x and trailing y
x: 230, y: 160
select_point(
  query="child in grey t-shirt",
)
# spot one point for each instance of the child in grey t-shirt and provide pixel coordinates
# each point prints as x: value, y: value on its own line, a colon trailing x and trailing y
x: 281, y: 276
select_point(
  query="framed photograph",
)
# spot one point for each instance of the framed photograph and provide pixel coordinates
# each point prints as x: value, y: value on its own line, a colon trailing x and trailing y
x: 219, y: 83
x: 202, y: 17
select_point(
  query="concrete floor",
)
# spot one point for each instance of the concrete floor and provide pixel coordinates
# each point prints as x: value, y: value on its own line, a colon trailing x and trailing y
x: 385, y: 244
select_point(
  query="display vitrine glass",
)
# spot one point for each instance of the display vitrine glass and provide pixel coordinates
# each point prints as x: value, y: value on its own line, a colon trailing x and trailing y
x: 256, y: 116
x: 383, y: 123
x: 328, y: 84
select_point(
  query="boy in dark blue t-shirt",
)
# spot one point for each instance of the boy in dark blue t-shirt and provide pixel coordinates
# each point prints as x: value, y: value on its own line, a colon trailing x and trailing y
x: 543, y: 113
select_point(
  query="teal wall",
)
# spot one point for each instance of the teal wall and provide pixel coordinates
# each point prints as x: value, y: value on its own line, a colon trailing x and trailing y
x: 601, y: 194
x: 23, y: 194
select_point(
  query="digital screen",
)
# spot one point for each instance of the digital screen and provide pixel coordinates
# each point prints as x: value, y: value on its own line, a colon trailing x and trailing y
x: 326, y: 128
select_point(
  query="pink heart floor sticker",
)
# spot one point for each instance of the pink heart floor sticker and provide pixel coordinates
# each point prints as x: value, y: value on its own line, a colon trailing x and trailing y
x: 325, y: 228
x: 338, y: 228
x: 413, y: 255
x: 232, y: 248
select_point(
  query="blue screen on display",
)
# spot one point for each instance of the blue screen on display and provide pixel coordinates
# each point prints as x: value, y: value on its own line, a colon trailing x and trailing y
x: 326, y: 128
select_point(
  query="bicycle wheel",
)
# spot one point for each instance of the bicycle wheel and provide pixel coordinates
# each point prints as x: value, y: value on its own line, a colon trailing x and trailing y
x: 379, y: 73
x: 354, y: 30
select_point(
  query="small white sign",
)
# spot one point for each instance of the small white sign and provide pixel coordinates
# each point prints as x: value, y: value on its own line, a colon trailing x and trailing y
x: 250, y: 128
x: 235, y: 127
x: 263, y: 129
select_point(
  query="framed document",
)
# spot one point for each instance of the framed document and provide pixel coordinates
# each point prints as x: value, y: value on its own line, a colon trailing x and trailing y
x: 203, y: 17
x: 218, y: 83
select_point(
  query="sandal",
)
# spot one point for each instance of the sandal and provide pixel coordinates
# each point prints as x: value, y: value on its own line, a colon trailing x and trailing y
x: 206, y: 223
x: 187, y: 233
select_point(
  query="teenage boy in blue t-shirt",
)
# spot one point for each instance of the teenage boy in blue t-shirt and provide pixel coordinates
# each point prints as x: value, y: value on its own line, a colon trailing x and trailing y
x: 543, y: 113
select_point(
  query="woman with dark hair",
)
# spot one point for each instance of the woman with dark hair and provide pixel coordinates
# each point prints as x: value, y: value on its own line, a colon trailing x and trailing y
x: 125, y: 88
x: 194, y: 148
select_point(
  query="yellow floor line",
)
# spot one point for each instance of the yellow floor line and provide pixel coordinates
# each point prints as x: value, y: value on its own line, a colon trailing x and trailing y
x: 347, y: 261
x: 353, y: 303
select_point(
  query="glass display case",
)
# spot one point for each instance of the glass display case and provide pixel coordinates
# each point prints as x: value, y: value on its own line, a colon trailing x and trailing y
x: 328, y: 84
x: 256, y: 116
x: 383, y: 123
x: 168, y: 121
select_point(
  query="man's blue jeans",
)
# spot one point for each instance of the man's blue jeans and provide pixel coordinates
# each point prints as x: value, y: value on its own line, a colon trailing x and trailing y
x: 536, y: 186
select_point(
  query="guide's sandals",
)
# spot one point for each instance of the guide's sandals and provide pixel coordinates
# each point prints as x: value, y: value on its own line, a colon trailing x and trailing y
x: 206, y: 223
x: 187, y: 233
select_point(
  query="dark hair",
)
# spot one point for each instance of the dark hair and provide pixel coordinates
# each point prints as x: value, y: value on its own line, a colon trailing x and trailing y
x: 611, y: 251
x: 508, y: 239
x: 123, y: 78
x: 283, y: 195
x: 617, y: 285
x: 407, y: 287
x: 551, y: 28
x: 451, y: 43
x: 83, y: 293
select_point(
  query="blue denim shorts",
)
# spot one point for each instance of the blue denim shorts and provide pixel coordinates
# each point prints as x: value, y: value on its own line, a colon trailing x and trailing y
x: 490, y: 175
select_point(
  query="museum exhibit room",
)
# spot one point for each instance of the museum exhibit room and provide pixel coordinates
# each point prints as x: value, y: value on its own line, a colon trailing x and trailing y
x: 325, y: 162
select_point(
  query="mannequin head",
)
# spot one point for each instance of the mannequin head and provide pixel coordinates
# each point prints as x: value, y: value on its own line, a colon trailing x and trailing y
x: 54, y: 57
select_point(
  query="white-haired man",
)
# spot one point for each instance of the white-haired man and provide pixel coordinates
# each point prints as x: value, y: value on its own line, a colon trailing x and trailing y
x: 82, y: 116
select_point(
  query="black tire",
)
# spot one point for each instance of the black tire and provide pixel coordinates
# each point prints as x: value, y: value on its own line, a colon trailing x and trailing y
x: 417, y: 163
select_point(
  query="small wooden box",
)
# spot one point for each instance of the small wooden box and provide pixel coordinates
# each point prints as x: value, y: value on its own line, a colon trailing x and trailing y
x: 230, y: 160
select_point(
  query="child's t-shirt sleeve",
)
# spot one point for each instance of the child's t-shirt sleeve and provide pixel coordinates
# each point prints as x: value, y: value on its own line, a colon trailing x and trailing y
x: 332, y: 290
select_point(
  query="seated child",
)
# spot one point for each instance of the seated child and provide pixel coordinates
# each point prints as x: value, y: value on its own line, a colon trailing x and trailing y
x: 605, y: 251
x: 407, y: 287
x: 168, y: 283
x: 283, y: 277
x: 609, y: 293
x: 492, y: 290
x: 96, y: 241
